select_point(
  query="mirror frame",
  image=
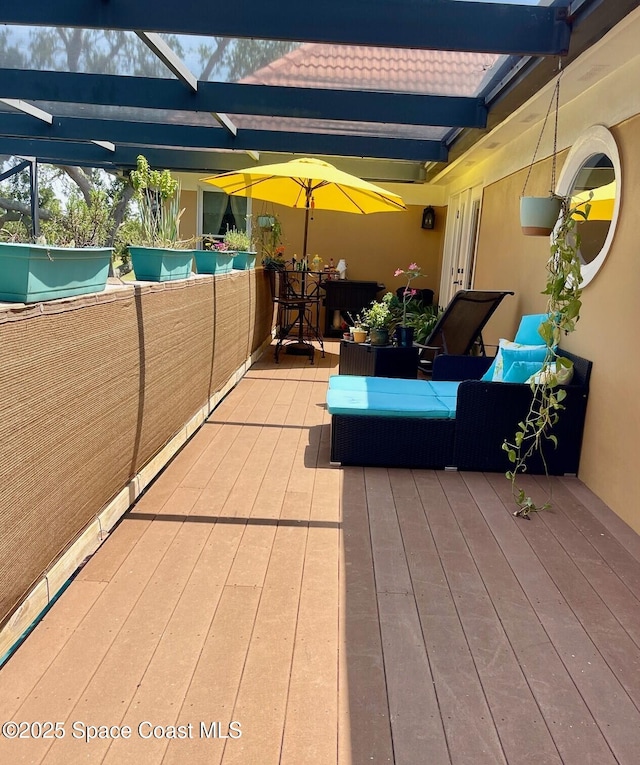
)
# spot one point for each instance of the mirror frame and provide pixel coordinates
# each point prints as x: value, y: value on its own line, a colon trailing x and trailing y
x: 596, y: 140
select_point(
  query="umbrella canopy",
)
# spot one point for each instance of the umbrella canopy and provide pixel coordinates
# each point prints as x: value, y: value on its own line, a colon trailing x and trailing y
x: 310, y: 184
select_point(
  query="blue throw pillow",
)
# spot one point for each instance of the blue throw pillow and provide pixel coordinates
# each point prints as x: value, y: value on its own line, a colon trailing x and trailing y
x: 508, y: 352
x: 527, y: 333
x: 534, y: 353
x: 521, y: 371
x: 488, y: 375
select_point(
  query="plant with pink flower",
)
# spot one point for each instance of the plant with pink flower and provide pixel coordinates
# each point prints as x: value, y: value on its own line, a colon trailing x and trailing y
x: 413, y: 272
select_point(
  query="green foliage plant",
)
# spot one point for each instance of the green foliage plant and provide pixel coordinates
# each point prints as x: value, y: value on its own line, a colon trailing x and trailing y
x: 81, y: 224
x: 563, y: 293
x: 422, y: 318
x: 379, y: 315
x: 157, y: 194
x: 270, y: 241
x: 238, y: 241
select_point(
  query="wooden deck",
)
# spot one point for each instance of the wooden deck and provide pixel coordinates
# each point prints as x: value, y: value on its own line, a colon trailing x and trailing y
x: 341, y: 616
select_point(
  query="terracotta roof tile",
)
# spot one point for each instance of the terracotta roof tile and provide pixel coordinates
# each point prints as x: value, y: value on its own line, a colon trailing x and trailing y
x: 317, y: 65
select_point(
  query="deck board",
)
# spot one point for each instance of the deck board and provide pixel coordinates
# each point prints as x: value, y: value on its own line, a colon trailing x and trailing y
x: 341, y: 616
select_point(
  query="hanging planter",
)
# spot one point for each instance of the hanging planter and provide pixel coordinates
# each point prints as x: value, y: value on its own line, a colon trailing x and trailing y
x: 266, y: 222
x: 539, y: 215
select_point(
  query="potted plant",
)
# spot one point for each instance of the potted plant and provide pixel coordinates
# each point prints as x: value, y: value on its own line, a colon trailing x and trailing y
x: 240, y: 242
x: 77, y: 264
x: 378, y: 318
x: 266, y: 222
x: 404, y: 332
x: 535, y: 431
x: 270, y: 240
x: 214, y: 258
x: 160, y: 255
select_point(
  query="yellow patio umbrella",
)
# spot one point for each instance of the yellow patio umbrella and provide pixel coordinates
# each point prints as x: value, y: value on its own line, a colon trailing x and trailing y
x: 600, y: 200
x: 310, y: 184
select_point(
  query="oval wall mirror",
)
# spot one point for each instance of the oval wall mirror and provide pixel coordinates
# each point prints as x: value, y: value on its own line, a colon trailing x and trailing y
x: 591, y: 178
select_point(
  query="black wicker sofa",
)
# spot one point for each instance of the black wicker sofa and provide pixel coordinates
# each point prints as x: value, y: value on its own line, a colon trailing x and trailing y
x: 486, y: 413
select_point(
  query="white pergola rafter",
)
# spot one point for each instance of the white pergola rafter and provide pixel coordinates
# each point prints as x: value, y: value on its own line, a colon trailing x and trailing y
x: 26, y: 108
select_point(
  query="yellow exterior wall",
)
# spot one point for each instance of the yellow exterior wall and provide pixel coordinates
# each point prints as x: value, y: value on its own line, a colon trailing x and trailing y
x: 608, y: 329
x: 372, y: 245
x: 188, y: 222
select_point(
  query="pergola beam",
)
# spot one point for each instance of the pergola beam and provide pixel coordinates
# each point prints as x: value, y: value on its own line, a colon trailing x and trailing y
x: 169, y: 58
x: 201, y: 137
x: 234, y: 98
x: 145, y: 137
x: 426, y: 24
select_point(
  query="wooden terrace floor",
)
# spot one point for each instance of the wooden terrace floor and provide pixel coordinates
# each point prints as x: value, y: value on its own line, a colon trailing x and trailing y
x: 341, y: 616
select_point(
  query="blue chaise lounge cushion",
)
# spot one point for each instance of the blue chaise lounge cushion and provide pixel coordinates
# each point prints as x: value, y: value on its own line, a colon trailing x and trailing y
x: 385, y: 397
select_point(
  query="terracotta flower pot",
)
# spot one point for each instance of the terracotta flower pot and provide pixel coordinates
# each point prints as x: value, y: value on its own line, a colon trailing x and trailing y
x: 359, y: 335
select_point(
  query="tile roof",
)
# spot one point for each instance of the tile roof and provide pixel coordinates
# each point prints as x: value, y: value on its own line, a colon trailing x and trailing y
x: 390, y: 69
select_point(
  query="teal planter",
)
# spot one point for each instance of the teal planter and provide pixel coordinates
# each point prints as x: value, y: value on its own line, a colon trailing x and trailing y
x: 33, y: 272
x: 539, y: 215
x: 244, y: 261
x: 157, y: 264
x: 214, y: 262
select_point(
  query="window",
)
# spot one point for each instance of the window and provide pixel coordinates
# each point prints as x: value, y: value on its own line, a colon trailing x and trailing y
x: 221, y: 211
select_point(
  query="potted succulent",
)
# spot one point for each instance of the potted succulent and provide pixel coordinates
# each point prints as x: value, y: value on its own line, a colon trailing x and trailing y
x: 77, y: 264
x: 378, y: 318
x: 160, y: 255
x: 240, y: 243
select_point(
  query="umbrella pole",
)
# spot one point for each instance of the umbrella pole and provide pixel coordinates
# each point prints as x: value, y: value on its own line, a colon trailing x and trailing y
x: 306, y: 231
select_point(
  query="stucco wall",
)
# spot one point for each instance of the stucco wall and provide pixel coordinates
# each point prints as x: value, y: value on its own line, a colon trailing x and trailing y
x: 608, y: 329
x: 373, y: 245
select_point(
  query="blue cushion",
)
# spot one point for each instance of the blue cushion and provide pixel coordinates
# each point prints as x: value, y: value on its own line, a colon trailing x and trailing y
x: 444, y: 388
x: 393, y: 385
x: 527, y: 333
x: 529, y: 353
x: 364, y: 403
x: 379, y: 384
x: 508, y: 352
x: 521, y: 371
x: 488, y: 375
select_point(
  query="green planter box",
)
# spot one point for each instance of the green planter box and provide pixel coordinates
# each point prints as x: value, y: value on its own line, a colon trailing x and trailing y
x: 157, y: 264
x: 214, y: 262
x: 33, y: 272
x: 244, y: 261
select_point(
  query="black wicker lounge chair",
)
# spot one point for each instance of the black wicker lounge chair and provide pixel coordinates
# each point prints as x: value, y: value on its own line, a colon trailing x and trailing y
x: 486, y: 414
x: 461, y: 325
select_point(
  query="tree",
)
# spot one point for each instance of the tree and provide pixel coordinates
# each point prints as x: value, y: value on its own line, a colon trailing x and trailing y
x: 111, y: 52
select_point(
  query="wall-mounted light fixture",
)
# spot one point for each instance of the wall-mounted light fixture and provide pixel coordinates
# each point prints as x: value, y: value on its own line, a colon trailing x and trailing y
x: 428, y: 218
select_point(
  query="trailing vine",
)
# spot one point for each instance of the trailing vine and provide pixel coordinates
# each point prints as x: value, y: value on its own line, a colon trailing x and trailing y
x: 563, y: 292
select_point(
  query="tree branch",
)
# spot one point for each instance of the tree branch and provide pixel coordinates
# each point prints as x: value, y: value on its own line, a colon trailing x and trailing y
x: 81, y: 181
x: 23, y: 209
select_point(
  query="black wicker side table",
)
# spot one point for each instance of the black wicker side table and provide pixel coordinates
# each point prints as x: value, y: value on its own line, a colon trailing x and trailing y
x: 377, y: 360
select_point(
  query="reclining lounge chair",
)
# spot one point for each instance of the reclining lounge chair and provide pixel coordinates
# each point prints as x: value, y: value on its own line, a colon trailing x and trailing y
x: 461, y: 325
